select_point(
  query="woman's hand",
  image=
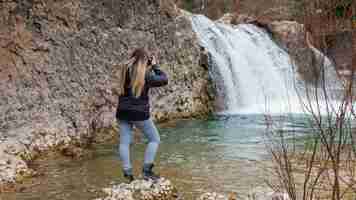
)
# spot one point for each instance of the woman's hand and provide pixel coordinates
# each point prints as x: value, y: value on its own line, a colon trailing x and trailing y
x: 154, y: 61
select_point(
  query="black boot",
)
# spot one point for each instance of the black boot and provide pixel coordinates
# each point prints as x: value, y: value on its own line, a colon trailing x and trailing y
x: 128, y: 175
x: 148, y: 174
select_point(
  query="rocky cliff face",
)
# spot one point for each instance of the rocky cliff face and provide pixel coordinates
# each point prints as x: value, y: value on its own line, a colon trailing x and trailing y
x: 57, y: 59
x: 263, y: 9
x: 291, y: 36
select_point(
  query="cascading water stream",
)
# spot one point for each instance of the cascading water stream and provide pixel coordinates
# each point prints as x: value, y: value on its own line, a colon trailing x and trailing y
x: 255, y: 73
x: 251, y: 72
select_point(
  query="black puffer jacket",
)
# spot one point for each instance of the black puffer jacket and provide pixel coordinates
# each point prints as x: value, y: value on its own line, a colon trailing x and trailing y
x: 131, y: 108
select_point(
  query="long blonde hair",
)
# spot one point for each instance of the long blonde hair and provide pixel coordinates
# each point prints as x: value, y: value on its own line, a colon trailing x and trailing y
x: 136, y: 67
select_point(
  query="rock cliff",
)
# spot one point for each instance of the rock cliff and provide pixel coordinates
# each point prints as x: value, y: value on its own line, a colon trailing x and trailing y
x: 57, y: 59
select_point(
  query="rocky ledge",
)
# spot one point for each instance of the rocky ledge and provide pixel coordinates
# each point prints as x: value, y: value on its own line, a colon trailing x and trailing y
x: 148, y: 190
x: 142, y: 190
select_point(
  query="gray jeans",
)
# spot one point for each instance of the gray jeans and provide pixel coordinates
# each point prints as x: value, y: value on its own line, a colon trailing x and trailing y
x: 149, y: 130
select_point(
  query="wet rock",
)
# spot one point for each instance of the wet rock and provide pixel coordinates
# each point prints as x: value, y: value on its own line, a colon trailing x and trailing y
x: 12, y: 168
x: 227, y: 18
x: 233, y: 19
x: 73, y: 151
x: 256, y: 194
x: 212, y: 196
x: 232, y: 196
x: 142, y: 190
x: 290, y: 33
x: 261, y: 193
x: 291, y: 36
x: 13, y: 147
x: 204, y: 58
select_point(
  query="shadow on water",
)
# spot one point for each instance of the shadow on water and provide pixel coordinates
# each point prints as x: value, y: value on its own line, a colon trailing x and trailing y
x: 222, y: 154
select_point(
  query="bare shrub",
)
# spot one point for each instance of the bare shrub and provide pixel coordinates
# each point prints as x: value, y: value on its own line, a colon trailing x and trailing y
x: 322, y: 163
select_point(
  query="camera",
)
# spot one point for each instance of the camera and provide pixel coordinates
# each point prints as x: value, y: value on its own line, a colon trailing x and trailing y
x: 149, y: 61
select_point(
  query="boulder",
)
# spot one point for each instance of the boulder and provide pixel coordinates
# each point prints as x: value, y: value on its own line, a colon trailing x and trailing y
x: 141, y: 190
x: 157, y: 190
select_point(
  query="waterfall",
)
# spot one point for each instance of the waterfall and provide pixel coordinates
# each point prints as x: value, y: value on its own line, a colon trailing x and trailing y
x: 251, y: 72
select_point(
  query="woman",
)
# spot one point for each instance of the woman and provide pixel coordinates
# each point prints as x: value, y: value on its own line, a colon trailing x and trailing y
x: 137, y: 78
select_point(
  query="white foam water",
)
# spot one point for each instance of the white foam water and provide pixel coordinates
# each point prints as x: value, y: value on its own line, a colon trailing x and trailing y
x: 251, y: 72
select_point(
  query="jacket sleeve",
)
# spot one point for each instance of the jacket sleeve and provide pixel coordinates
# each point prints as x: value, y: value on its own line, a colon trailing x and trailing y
x: 156, y: 77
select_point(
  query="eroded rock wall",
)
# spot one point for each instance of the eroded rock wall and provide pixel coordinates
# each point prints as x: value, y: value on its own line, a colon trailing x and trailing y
x: 56, y: 64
